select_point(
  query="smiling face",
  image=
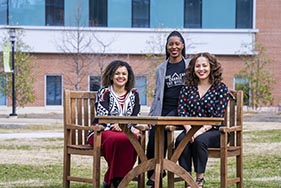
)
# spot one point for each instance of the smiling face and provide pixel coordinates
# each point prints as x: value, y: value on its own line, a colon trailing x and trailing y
x: 174, y: 48
x: 120, y: 77
x: 202, y: 68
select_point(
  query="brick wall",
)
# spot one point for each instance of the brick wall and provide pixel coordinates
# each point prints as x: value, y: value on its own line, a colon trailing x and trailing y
x: 269, y: 35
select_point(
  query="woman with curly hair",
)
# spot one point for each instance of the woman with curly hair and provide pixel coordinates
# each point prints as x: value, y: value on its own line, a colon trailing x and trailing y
x: 204, y: 95
x: 117, y: 97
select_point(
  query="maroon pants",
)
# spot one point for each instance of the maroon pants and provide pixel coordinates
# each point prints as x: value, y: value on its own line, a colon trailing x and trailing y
x: 118, y: 152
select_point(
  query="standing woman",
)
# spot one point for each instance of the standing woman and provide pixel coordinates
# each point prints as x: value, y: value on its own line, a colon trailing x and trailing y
x: 168, y: 84
x: 205, y: 95
x: 117, y: 98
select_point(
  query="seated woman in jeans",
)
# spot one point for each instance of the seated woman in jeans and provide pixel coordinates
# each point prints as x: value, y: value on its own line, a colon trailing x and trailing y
x: 204, y: 95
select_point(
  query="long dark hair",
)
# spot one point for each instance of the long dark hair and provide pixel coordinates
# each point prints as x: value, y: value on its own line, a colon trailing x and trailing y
x: 175, y: 34
x: 191, y: 78
x: 107, y: 77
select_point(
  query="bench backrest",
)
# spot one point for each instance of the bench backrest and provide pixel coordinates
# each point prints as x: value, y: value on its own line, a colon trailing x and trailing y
x: 79, y: 110
x: 234, y: 116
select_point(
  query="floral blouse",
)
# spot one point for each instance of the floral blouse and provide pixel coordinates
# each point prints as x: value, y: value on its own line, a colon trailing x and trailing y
x: 212, y: 104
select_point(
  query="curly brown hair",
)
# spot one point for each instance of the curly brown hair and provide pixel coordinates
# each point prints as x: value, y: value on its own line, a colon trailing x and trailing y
x: 107, y: 78
x: 215, y: 77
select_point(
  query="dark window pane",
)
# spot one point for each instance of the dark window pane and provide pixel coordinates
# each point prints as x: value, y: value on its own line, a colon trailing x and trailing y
x: 95, y: 83
x: 141, y: 13
x: 55, y: 12
x: 4, y: 12
x: 141, y: 83
x: 54, y: 90
x: 193, y: 13
x: 244, y: 14
x: 98, y: 13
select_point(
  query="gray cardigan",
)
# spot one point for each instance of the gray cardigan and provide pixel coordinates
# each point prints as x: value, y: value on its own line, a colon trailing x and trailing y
x: 157, y: 102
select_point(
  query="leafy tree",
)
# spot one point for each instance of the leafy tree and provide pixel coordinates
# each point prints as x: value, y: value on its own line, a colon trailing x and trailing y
x: 259, y: 79
x: 23, y: 73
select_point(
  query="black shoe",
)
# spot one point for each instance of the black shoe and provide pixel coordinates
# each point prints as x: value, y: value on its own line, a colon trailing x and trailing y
x: 104, y: 185
x: 116, y: 182
x: 150, y: 183
x: 164, y: 174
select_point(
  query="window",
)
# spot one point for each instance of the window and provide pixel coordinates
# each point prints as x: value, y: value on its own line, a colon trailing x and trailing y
x: 54, y: 12
x: 244, y: 13
x: 141, y: 82
x: 193, y: 13
x: 141, y: 13
x: 3, y: 83
x: 4, y: 12
x: 53, y: 90
x: 95, y: 83
x: 98, y: 13
x: 244, y: 85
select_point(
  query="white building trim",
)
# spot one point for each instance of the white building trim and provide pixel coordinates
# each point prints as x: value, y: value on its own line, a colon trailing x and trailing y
x: 141, y: 41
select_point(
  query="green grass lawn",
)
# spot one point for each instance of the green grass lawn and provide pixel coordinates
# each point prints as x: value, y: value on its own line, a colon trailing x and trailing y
x: 38, y: 163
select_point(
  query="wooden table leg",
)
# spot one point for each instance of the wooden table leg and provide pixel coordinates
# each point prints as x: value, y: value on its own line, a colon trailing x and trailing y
x: 137, y: 170
x: 145, y: 164
x: 159, y: 154
x: 171, y: 165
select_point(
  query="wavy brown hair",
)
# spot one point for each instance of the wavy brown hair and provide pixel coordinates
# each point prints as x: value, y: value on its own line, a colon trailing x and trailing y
x: 107, y: 77
x: 215, y: 76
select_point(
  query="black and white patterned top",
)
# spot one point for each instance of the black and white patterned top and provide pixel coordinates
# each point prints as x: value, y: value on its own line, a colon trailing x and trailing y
x: 110, y: 104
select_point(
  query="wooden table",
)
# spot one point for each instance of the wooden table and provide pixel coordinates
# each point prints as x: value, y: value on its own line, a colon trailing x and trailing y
x: 159, y: 163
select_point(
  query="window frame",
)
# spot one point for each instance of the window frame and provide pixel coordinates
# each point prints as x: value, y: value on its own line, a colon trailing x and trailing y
x: 51, y: 4
x: 134, y: 23
x: 143, y: 96
x: 3, y: 84
x: 98, y: 6
x: 250, y: 25
x: 6, y: 20
x: 185, y: 17
x: 92, y: 80
x: 60, y: 89
x: 242, y: 83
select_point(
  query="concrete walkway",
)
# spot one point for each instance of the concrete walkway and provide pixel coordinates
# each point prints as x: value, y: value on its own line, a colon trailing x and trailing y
x: 31, y: 135
x: 42, y: 119
x: 261, y: 120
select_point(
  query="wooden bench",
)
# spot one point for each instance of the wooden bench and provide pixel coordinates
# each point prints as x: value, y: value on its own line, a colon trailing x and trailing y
x: 79, y: 112
x: 231, y: 144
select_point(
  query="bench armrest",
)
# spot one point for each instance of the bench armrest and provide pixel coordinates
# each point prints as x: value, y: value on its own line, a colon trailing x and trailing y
x: 230, y: 129
x: 172, y: 128
x: 142, y: 127
x: 90, y: 128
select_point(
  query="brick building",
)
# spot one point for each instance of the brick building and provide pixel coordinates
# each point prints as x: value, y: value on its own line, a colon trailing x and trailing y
x: 137, y: 34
